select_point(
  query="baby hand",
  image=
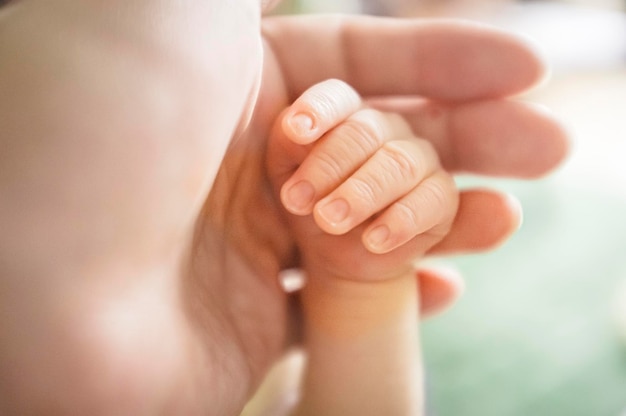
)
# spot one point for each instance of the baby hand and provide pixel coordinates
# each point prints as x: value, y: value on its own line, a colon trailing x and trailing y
x: 357, y: 169
x: 379, y: 199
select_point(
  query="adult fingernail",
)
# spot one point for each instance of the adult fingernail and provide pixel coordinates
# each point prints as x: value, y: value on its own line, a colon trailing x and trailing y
x: 300, y: 196
x: 335, y: 211
x: 378, y: 238
x: 301, y: 124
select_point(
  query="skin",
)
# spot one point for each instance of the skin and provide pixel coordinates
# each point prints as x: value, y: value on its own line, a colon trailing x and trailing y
x: 136, y: 277
x: 360, y: 301
x: 372, y: 164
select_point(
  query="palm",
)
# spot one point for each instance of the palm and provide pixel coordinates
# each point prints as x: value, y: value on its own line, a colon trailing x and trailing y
x: 242, y: 231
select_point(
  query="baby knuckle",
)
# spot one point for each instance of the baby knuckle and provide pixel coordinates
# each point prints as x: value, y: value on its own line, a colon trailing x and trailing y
x: 364, y: 133
x: 400, y: 162
x: 365, y: 190
x: 436, y: 194
x: 407, y: 213
x: 330, y: 165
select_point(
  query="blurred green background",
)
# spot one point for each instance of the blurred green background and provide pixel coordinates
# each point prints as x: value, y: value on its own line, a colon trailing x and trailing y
x: 535, y: 334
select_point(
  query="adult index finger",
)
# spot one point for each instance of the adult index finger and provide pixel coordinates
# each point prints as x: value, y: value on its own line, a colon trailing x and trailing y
x: 439, y: 59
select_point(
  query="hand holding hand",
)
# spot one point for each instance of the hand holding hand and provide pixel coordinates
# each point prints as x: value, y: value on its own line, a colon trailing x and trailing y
x: 364, y: 176
x: 155, y: 281
x: 379, y: 200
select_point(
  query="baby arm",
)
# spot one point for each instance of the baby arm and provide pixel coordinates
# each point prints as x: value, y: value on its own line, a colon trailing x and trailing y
x: 379, y: 199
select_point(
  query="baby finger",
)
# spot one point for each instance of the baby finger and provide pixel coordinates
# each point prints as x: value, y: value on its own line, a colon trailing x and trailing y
x: 429, y: 208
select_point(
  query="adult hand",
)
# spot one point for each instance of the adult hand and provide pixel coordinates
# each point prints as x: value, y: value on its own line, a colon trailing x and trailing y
x: 125, y: 289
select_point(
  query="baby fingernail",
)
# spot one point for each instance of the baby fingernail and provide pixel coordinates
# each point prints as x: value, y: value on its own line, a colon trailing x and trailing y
x: 335, y: 211
x: 301, y: 124
x: 301, y: 195
x: 378, y: 237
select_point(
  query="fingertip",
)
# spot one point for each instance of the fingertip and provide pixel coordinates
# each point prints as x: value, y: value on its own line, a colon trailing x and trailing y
x: 516, y: 212
x: 300, y: 127
x: 535, y: 141
x: 333, y: 215
x: 526, y: 62
x: 301, y: 124
x: 555, y: 135
x: 448, y: 275
x: 505, y: 217
x: 298, y: 198
x: 543, y: 74
x: 319, y: 109
x: 378, y: 240
x: 484, y: 221
x: 537, y: 71
x: 440, y: 287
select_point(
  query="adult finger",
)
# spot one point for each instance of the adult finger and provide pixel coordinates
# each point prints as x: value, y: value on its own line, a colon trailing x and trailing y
x: 439, y: 288
x: 440, y: 59
x: 493, y: 137
x: 484, y: 220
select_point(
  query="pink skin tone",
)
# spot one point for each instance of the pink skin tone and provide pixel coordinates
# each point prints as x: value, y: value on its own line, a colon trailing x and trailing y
x: 360, y: 303
x: 368, y: 162
x: 140, y: 238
